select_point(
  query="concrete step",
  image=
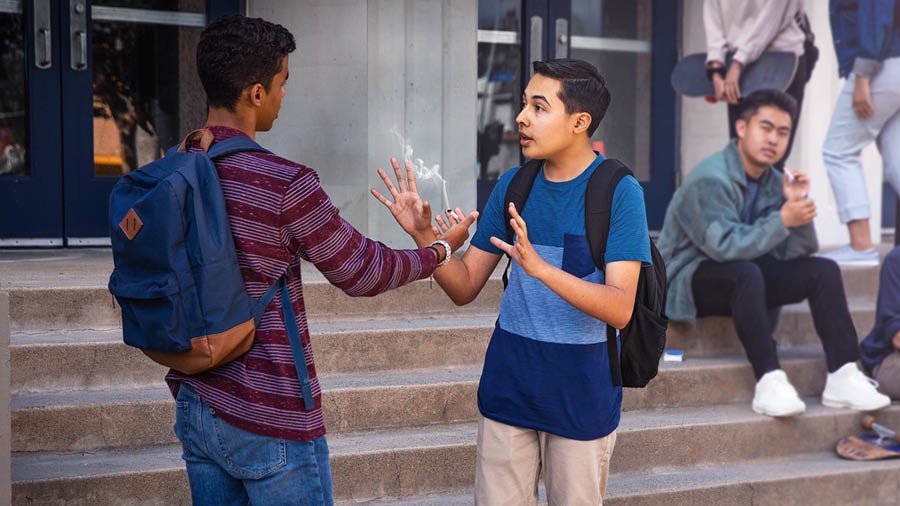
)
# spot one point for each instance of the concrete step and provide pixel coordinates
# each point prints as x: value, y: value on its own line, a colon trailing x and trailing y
x: 52, y: 360
x: 92, y: 307
x: 78, y: 298
x: 660, y: 452
x: 815, y: 478
x: 78, y: 359
x: 92, y: 359
x: 715, y: 335
x: 87, y: 420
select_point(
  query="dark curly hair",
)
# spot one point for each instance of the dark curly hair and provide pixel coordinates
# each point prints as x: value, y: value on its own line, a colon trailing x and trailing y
x: 583, y: 89
x: 236, y: 52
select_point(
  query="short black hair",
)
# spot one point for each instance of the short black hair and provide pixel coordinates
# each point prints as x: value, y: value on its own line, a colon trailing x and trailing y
x: 236, y: 52
x: 775, y: 98
x: 583, y: 88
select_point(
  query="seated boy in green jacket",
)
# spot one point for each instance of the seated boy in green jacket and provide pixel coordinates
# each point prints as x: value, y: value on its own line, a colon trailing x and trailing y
x: 737, y: 241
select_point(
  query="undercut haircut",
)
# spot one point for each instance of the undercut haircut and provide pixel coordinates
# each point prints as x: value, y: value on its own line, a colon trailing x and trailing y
x: 582, y: 88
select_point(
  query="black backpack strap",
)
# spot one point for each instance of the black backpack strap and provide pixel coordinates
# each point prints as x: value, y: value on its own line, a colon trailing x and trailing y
x: 597, y: 212
x: 517, y: 192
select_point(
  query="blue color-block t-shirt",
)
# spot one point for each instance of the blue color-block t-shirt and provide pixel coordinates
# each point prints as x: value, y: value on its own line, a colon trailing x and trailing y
x: 546, y: 367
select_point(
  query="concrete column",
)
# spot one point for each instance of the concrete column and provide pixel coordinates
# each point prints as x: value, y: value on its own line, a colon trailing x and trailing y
x: 367, y: 73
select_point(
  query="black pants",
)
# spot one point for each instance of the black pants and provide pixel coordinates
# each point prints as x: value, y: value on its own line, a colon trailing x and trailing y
x: 748, y: 291
x: 795, y: 89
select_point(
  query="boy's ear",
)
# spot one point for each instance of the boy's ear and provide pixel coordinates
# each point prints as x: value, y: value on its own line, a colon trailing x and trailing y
x: 740, y: 126
x: 256, y: 94
x: 582, y: 122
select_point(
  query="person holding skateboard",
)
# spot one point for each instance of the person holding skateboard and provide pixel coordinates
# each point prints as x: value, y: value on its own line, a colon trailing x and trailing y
x: 737, y: 241
x: 867, y: 42
x: 744, y: 30
x: 880, y: 350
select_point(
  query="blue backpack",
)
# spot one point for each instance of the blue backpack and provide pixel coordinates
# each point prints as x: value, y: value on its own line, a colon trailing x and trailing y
x: 176, y: 274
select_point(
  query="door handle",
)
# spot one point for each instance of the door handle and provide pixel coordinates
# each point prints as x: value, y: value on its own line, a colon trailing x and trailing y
x: 537, y: 41
x: 43, y: 47
x: 78, y: 34
x: 562, y: 38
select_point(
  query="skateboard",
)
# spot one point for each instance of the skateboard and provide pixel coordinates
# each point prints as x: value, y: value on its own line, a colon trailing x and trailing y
x: 772, y: 70
x: 882, y: 445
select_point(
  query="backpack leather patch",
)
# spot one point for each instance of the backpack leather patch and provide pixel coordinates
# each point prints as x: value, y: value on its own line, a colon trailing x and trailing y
x: 131, y: 224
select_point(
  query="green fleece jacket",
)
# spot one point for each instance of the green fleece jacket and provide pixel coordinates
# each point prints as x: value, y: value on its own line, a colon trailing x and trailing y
x: 703, y: 222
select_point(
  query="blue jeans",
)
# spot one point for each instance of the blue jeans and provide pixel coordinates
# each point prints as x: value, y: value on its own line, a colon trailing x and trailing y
x: 848, y: 135
x: 229, y: 466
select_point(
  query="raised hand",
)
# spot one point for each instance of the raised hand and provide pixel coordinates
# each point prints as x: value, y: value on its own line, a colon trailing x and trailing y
x: 411, y: 212
x: 522, y: 252
x: 455, y: 229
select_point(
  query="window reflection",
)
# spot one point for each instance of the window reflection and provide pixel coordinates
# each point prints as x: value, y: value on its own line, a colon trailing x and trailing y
x: 13, y: 130
x: 499, y: 86
x: 146, y: 93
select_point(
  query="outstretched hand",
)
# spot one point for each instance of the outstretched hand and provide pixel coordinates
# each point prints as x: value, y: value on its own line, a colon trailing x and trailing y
x: 411, y: 212
x: 522, y: 251
x: 455, y: 229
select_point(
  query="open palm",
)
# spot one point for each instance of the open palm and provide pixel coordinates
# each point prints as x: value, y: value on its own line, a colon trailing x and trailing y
x: 411, y: 212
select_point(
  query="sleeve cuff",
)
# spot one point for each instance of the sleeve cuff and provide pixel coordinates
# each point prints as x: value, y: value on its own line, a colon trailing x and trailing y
x: 715, y: 55
x: 865, y: 67
x: 745, y: 57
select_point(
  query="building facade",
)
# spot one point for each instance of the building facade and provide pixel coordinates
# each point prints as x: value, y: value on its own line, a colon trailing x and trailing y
x: 94, y: 88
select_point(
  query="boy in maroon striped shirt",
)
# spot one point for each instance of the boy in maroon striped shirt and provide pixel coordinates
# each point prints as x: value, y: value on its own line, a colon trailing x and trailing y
x: 246, y: 434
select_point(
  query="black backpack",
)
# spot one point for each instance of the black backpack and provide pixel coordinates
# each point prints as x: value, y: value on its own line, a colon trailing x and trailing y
x: 644, y: 338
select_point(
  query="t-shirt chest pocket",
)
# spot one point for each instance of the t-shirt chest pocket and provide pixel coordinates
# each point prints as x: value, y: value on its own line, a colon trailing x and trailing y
x: 577, y: 256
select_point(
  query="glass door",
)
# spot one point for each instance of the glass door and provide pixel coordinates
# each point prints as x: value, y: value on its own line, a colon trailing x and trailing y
x: 30, y: 159
x: 631, y: 42
x: 108, y: 85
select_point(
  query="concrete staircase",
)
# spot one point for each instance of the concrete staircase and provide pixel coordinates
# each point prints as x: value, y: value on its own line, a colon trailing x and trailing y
x: 92, y: 419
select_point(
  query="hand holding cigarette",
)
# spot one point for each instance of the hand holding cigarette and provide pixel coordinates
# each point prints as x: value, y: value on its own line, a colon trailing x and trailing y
x: 795, y: 184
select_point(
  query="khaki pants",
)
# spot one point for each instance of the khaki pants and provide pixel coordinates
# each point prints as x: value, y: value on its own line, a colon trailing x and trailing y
x: 511, y: 460
x: 887, y: 374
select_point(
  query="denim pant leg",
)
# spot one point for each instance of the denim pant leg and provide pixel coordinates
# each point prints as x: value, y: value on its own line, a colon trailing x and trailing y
x: 229, y: 466
x: 848, y: 135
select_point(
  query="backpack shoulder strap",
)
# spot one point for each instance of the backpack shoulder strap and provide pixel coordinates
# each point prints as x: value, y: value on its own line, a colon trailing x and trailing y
x: 598, y: 206
x: 598, y: 198
x: 234, y: 145
x: 517, y: 192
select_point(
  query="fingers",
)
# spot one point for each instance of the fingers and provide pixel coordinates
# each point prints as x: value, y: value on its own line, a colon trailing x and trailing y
x: 517, y: 222
x: 444, y: 226
x: 401, y: 181
x: 381, y: 198
x: 503, y: 246
x: 411, y: 176
x: 470, y: 219
x: 387, y: 182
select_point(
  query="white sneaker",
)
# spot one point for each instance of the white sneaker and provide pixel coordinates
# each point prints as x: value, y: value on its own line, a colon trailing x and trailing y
x: 775, y: 396
x: 849, y: 256
x: 848, y: 387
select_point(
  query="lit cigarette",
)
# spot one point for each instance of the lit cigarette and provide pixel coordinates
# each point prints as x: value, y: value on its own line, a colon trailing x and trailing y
x: 453, y: 214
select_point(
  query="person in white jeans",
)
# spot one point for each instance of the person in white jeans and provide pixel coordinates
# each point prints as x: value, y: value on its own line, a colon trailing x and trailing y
x: 867, y: 110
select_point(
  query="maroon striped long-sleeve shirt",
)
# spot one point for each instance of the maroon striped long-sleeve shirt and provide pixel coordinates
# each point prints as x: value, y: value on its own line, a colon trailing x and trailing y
x: 278, y: 214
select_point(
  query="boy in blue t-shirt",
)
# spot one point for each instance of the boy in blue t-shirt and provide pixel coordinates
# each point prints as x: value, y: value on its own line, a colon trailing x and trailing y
x: 546, y: 392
